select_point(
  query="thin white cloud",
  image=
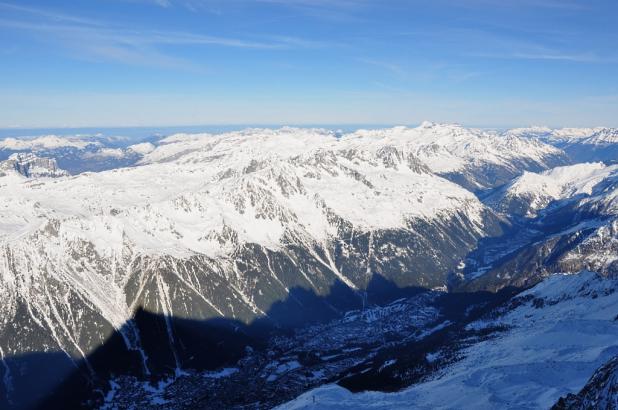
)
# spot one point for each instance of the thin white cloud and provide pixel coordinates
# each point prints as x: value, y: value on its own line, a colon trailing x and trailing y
x: 48, y: 14
x: 564, y: 5
x: 480, y: 43
x: 192, y: 5
x: 163, y: 3
x: 99, y: 41
x: 388, y: 66
x: 142, y: 37
x: 331, y: 10
x: 551, y: 56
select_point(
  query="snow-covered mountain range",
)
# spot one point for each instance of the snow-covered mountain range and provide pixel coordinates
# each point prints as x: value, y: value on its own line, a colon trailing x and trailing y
x: 598, y: 135
x: 77, y: 153
x: 288, y: 225
x: 580, y: 144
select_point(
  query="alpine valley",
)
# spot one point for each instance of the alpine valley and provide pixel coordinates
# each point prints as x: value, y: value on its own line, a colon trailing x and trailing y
x: 429, y: 267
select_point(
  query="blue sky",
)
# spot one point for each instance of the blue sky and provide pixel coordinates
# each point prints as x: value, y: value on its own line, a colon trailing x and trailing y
x: 493, y: 63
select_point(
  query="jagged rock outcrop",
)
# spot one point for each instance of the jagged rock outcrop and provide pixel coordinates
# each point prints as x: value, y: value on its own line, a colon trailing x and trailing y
x: 31, y: 166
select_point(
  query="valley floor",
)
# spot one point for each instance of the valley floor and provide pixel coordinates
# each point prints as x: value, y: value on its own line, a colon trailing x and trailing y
x: 566, y: 328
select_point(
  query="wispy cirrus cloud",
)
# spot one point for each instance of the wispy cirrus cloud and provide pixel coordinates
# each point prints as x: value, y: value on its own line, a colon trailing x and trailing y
x: 95, y: 40
x: 212, y: 6
x: 330, y: 10
x: 507, y: 44
x: 334, y: 10
x: 393, y: 68
x: 198, y: 4
x: 47, y: 14
x: 550, y: 55
x: 564, y: 5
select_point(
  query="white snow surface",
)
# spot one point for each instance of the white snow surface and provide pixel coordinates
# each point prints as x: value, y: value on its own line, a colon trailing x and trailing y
x: 257, y: 182
x: 106, y: 153
x: 446, y: 148
x: 560, y: 183
x: 142, y: 148
x: 547, y: 353
x: 563, y: 182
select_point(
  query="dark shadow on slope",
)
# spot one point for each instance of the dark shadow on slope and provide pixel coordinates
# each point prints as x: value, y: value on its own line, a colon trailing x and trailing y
x: 169, y: 343
x: 303, y: 307
x: 381, y: 291
x: 401, y: 365
x: 591, y: 152
x: 192, y: 344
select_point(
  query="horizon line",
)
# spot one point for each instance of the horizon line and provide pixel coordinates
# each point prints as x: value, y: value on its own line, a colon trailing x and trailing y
x: 291, y: 124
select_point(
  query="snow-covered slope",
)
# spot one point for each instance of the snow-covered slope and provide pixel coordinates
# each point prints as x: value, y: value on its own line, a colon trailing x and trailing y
x: 448, y: 148
x: 273, y: 190
x: 474, y: 158
x: 597, y: 135
x: 590, y: 136
x: 601, y: 391
x: 531, y: 192
x: 558, y: 333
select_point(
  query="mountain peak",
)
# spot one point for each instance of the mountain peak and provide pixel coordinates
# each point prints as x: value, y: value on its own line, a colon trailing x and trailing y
x: 427, y: 124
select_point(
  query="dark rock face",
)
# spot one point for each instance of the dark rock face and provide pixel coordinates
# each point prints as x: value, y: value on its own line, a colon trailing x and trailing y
x: 32, y: 166
x: 601, y: 391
